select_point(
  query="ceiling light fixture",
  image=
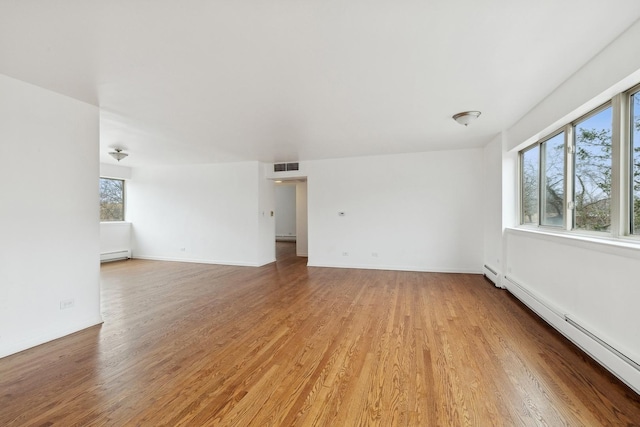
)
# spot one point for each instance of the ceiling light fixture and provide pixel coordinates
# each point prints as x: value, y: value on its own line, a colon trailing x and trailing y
x: 466, y: 117
x: 118, y: 154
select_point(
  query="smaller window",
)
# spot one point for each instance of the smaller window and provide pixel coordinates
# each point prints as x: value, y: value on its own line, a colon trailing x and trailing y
x: 530, y: 187
x: 111, y: 199
x: 635, y: 163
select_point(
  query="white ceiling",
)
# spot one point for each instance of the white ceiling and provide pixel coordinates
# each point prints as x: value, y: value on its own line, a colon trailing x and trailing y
x: 198, y: 81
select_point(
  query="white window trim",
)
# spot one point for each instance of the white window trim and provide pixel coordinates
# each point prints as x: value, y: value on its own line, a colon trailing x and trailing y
x: 621, y: 182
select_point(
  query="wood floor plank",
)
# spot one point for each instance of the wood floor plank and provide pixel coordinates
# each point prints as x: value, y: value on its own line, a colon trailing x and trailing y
x: 289, y: 345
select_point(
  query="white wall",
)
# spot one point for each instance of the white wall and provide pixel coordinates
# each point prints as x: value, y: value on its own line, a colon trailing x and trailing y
x: 216, y: 213
x: 302, y: 229
x: 49, y: 216
x: 266, y: 245
x: 115, y: 238
x: 420, y: 212
x: 115, y: 171
x: 492, y: 207
x: 285, y: 194
x: 595, y: 283
x: 614, y: 69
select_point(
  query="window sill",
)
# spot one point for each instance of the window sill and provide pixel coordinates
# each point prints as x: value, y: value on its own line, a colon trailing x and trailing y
x: 623, y: 246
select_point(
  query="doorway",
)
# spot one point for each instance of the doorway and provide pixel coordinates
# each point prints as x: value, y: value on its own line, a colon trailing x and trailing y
x: 291, y: 217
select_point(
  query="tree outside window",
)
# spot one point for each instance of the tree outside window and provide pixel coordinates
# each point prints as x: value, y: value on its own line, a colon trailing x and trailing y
x: 592, y: 189
x: 635, y: 146
x: 530, y: 188
x: 553, y: 203
x: 545, y: 165
x: 111, y: 199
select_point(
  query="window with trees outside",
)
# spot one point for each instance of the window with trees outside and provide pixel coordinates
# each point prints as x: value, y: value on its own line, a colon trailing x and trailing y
x: 530, y: 164
x: 553, y: 181
x: 635, y: 162
x: 592, y: 189
x: 569, y: 180
x: 111, y: 199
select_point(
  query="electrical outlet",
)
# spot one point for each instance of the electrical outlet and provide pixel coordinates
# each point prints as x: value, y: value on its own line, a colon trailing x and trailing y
x: 345, y: 253
x: 66, y: 303
x: 183, y: 249
x: 374, y: 254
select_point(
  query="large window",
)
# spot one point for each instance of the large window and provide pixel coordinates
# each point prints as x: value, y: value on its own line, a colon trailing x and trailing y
x: 582, y: 176
x: 111, y: 199
x: 635, y: 162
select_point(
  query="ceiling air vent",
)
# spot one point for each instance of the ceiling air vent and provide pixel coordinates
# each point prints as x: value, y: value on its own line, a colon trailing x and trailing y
x: 283, y: 167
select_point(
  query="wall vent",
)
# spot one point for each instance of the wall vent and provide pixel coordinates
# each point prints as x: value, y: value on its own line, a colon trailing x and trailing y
x: 283, y: 167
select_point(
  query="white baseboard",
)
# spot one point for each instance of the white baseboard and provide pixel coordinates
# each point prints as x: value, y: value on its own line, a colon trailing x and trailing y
x: 395, y: 268
x: 200, y: 261
x: 554, y: 316
x: 47, y: 335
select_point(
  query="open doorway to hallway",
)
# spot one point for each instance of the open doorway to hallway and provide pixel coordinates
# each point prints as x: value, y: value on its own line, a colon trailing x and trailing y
x: 291, y: 217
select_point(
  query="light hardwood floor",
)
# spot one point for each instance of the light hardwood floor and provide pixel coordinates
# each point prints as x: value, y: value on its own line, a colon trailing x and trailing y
x: 194, y: 345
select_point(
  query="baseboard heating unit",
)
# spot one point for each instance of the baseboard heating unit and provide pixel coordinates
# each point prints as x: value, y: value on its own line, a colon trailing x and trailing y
x: 603, y: 343
x: 115, y: 256
x: 492, y: 275
x: 617, y: 361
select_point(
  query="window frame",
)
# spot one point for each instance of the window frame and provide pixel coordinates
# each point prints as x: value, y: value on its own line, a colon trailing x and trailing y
x: 614, y: 171
x: 124, y: 200
x: 535, y: 145
x: 627, y: 147
x: 542, y: 167
x: 621, y: 173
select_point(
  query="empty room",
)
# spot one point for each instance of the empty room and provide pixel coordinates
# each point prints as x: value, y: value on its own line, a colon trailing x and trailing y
x: 276, y: 213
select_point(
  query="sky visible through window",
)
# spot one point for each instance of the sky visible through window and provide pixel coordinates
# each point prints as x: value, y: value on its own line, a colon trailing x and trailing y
x: 543, y: 195
x: 592, y: 193
x: 111, y: 199
x: 530, y: 187
x: 553, y: 204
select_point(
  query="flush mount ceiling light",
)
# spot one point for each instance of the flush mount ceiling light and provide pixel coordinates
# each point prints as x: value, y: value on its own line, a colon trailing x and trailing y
x: 466, y: 117
x: 118, y: 154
